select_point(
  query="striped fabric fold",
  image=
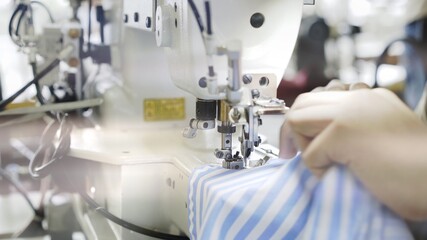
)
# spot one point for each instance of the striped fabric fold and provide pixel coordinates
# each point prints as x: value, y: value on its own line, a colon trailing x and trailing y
x: 283, y: 200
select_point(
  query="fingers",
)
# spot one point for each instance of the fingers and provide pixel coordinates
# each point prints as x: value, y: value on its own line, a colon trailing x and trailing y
x: 318, y: 89
x: 387, y: 94
x: 358, y: 86
x: 305, y: 124
x: 301, y: 142
x: 318, y: 98
x: 391, y: 97
x: 324, y: 95
x: 310, y: 121
x: 309, y: 116
x: 313, y: 128
x: 336, y: 85
x: 288, y: 148
x: 316, y: 156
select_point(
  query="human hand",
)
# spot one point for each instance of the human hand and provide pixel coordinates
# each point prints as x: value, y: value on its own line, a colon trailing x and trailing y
x: 375, y: 135
x: 288, y: 148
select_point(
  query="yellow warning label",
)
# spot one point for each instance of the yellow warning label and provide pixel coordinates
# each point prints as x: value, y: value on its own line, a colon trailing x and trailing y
x: 164, y: 109
x: 20, y: 105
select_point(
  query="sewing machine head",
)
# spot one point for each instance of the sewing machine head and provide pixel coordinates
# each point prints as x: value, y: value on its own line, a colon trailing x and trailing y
x: 231, y: 57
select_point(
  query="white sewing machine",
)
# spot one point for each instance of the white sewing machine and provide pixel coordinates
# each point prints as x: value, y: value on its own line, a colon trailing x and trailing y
x: 228, y: 57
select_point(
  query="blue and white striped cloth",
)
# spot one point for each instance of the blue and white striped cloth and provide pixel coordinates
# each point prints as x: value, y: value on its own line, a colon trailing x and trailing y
x: 283, y: 200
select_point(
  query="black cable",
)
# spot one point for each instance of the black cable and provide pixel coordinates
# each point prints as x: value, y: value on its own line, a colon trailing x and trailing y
x: 82, y: 66
x: 211, y: 71
x: 89, y: 28
x: 39, y: 94
x: 23, y: 12
x: 125, y: 224
x: 19, y: 8
x: 208, y: 18
x: 36, y: 79
x: 45, y: 8
x: 100, y: 17
x: 101, y: 32
x: 12, y: 18
x: 195, y: 11
x: 196, y: 15
x: 24, y: 9
x: 65, y: 128
x: 5, y: 175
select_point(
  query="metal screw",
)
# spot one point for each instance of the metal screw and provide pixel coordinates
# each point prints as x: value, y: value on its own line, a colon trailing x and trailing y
x: 74, y: 33
x: 264, y: 81
x: 148, y: 22
x: 236, y: 114
x: 219, y: 154
x: 247, y: 79
x: 257, y: 142
x: 73, y: 62
x: 255, y: 93
x: 203, y: 82
x: 257, y: 20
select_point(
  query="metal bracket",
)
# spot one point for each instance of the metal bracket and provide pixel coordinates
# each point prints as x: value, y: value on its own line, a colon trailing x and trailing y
x: 140, y: 14
x: 233, y: 164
